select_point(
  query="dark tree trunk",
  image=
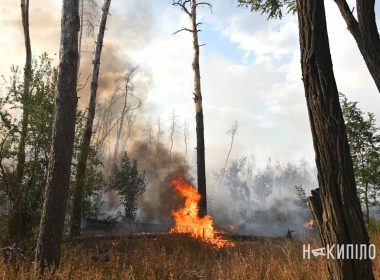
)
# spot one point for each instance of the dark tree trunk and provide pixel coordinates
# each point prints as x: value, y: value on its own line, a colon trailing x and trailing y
x: 201, y: 162
x: 335, y: 205
x: 58, y: 178
x: 364, y: 30
x: 17, y: 222
x: 80, y: 176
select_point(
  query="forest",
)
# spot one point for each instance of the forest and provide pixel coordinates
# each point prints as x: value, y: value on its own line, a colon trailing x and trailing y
x: 189, y: 139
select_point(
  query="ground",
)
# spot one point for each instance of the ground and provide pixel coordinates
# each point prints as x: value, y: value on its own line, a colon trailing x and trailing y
x: 172, y: 256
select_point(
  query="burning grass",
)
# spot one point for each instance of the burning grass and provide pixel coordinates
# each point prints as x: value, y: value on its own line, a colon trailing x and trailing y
x: 176, y: 256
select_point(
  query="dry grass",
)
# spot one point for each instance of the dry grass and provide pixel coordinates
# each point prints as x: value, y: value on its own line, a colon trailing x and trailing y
x: 180, y: 257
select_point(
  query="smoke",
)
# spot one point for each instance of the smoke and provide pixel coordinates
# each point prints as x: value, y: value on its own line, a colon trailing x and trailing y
x: 269, y: 204
x: 159, y: 198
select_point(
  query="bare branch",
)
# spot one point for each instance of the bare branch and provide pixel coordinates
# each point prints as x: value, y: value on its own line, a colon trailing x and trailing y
x: 204, y: 4
x: 81, y: 87
x: 182, y: 5
x: 183, y: 29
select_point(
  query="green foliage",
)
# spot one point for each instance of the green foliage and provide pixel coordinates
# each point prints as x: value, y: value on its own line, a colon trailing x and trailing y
x: 373, y: 226
x: 41, y: 107
x: 301, y: 195
x: 364, y: 140
x: 274, y: 8
x: 40, y: 104
x: 130, y: 183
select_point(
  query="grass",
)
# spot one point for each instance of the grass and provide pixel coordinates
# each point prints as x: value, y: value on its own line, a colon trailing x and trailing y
x: 179, y: 257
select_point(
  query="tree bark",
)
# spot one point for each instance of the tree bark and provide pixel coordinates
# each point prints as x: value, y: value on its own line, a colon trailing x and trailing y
x: 80, y: 176
x: 335, y: 205
x: 58, y: 178
x: 201, y: 162
x: 17, y: 224
x: 364, y: 30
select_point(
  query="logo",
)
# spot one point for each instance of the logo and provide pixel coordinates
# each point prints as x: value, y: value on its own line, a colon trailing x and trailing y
x: 341, y: 251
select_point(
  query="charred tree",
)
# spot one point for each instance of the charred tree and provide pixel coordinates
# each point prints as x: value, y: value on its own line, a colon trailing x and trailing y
x: 16, y: 220
x: 201, y: 161
x: 58, y: 178
x: 335, y: 205
x: 80, y: 176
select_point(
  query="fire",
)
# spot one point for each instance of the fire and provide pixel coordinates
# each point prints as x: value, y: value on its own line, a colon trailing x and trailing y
x: 187, y: 219
x: 310, y: 224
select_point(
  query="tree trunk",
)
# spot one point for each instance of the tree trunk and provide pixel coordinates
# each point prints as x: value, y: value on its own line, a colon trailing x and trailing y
x: 80, y: 176
x: 201, y: 162
x: 58, y: 178
x: 17, y: 223
x: 366, y: 202
x: 365, y: 33
x: 119, y: 129
x: 335, y: 205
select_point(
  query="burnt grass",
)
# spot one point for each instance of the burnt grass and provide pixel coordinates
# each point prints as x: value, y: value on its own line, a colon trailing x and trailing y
x: 178, y: 256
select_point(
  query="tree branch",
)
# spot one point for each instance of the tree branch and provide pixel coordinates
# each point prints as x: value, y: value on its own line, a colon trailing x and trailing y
x: 182, y: 5
x: 204, y: 4
x: 183, y: 29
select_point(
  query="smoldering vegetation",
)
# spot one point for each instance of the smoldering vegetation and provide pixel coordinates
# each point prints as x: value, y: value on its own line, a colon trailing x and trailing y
x: 267, y: 201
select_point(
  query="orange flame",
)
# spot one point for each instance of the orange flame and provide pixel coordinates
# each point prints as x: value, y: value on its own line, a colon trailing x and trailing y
x: 187, y: 219
x: 309, y: 225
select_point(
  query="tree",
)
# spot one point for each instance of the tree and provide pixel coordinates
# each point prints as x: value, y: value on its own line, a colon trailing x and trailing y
x: 239, y: 178
x: 264, y: 181
x: 20, y: 227
x: 335, y: 205
x: 127, y: 80
x: 363, y: 30
x: 231, y: 132
x: 18, y: 204
x: 173, y: 130
x: 364, y: 141
x: 58, y: 178
x: 80, y: 176
x: 186, y: 135
x: 190, y: 8
x: 130, y: 184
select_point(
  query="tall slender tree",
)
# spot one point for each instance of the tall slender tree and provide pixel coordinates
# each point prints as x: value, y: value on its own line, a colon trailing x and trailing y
x: 16, y: 217
x: 80, y: 176
x: 335, y: 204
x: 190, y: 8
x: 231, y: 132
x: 57, y: 187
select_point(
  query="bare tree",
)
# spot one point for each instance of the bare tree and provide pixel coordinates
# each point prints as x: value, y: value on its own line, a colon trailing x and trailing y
x: 80, y: 175
x: 190, y: 8
x: 335, y: 205
x: 88, y: 12
x: 231, y: 132
x: 186, y: 135
x: 127, y: 80
x: 131, y: 119
x: 173, y: 130
x: 148, y: 134
x: 159, y: 134
x: 15, y: 220
x: 58, y: 178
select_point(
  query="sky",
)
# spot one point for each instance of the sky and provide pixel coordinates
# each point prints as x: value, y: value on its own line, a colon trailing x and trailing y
x: 250, y: 70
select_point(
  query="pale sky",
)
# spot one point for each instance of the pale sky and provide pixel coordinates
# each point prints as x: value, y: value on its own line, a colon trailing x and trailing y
x: 250, y: 69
